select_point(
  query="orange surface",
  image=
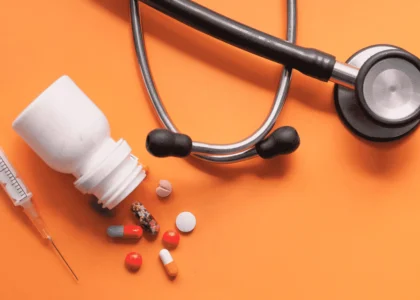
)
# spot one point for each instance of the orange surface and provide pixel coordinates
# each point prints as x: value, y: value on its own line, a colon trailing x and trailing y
x: 338, y: 219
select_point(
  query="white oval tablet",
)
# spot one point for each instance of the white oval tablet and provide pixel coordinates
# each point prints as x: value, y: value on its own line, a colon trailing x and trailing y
x: 185, y: 222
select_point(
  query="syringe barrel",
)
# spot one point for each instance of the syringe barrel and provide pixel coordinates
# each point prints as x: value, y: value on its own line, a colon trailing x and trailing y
x: 11, y: 183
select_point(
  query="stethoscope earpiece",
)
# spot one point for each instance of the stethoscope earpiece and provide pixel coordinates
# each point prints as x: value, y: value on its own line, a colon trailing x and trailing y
x: 283, y: 140
x: 164, y: 143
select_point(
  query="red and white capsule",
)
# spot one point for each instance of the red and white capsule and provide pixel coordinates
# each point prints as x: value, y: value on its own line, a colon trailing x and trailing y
x: 125, y: 231
x: 168, y: 263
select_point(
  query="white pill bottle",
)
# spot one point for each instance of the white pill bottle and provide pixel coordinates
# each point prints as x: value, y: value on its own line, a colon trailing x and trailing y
x: 72, y: 135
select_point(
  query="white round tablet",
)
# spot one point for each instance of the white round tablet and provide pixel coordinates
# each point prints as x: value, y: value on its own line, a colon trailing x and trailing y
x: 185, y: 222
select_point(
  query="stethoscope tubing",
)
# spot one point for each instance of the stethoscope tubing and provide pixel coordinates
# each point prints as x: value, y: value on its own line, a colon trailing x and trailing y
x: 218, y: 153
x: 311, y: 62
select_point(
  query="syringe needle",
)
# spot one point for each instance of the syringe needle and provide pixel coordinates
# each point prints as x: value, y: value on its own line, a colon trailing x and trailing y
x: 62, y: 257
x: 20, y: 196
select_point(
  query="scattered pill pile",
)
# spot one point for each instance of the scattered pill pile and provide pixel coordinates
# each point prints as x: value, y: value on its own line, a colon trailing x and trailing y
x: 185, y: 222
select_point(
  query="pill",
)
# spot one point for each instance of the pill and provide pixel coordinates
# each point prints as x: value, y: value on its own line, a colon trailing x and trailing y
x: 185, y: 222
x: 133, y: 261
x: 164, y: 189
x: 146, y: 220
x: 170, y: 239
x: 168, y: 263
x: 125, y: 231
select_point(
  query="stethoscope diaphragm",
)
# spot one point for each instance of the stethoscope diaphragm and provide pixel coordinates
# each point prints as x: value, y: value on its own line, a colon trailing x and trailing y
x: 385, y: 102
x: 388, y: 87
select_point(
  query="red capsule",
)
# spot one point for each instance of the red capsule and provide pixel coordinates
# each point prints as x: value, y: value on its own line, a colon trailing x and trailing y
x: 170, y: 239
x: 125, y: 231
x: 133, y: 261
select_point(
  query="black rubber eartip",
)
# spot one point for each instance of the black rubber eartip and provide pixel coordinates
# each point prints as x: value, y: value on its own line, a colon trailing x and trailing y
x: 283, y: 140
x: 164, y: 143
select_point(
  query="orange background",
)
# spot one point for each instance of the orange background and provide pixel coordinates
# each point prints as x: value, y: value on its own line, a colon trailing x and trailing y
x: 338, y: 219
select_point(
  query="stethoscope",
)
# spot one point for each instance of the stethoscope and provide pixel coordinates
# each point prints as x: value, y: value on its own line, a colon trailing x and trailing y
x: 376, y: 93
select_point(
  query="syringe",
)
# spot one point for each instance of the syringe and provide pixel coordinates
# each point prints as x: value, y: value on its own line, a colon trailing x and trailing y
x: 21, y: 196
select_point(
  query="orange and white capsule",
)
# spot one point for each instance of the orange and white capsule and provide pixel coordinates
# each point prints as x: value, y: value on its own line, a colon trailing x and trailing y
x: 168, y: 262
x: 125, y: 231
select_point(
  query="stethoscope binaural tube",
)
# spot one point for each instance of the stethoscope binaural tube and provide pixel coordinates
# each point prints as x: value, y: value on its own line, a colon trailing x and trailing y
x: 284, y: 140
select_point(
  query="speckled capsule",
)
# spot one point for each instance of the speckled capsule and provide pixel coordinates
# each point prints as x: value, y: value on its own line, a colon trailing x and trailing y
x: 146, y: 220
x: 125, y: 231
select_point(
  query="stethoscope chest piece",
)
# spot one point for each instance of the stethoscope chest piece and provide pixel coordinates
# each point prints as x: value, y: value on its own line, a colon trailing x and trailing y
x: 385, y: 103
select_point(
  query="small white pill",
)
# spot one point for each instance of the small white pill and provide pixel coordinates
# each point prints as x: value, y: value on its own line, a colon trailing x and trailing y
x: 185, y: 222
x: 164, y: 189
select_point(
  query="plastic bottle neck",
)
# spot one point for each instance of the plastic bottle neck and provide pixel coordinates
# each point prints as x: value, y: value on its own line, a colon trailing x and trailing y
x: 110, y: 172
